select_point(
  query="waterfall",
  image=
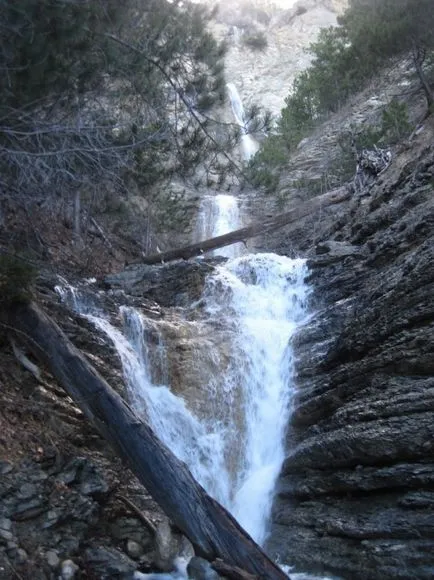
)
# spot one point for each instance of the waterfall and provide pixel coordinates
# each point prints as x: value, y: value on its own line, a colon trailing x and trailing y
x: 263, y: 298
x: 249, y: 145
x: 256, y: 302
x: 237, y: 449
x: 219, y: 215
x: 198, y: 443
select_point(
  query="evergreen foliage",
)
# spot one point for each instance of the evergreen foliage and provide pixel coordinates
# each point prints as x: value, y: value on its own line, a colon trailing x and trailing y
x: 94, y: 93
x: 343, y: 59
x: 17, y: 278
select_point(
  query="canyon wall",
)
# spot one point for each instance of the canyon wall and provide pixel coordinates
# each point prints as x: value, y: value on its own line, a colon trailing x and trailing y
x: 355, y: 496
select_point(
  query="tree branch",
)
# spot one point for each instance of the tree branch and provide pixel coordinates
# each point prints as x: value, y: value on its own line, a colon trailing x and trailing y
x: 256, y: 229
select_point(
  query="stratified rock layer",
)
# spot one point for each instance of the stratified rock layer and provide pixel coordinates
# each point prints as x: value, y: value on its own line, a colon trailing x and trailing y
x: 356, y: 497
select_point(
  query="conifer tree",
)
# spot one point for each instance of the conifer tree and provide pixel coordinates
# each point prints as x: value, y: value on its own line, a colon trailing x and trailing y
x: 389, y: 28
x: 95, y: 92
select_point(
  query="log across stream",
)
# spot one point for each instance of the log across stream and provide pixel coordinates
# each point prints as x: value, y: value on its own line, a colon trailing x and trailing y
x: 212, y: 530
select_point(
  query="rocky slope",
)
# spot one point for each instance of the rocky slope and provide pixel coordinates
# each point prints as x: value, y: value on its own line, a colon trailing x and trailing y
x: 355, y: 497
x: 68, y: 507
x: 265, y: 77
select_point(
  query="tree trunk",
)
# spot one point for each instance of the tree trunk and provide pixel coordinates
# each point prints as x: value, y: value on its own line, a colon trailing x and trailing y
x: 77, y: 215
x: 256, y: 229
x: 418, y: 59
x: 211, y: 529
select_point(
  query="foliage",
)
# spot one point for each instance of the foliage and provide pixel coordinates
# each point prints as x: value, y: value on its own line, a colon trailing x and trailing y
x: 343, y: 59
x: 263, y: 169
x: 335, y: 73
x: 17, y: 277
x: 93, y: 94
x: 395, y: 123
x: 394, y: 127
x: 384, y: 28
x: 391, y: 28
x: 255, y: 40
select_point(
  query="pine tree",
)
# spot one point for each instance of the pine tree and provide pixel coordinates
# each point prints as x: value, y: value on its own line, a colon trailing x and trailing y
x: 95, y: 92
x: 389, y: 28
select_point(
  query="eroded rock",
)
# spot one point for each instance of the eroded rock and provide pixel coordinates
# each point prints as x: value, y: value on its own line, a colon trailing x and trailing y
x: 354, y: 496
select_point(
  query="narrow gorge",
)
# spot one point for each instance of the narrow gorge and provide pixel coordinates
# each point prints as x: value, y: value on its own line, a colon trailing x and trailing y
x: 292, y: 372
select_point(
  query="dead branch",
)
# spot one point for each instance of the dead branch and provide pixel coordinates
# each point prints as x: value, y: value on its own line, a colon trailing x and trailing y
x: 256, y: 229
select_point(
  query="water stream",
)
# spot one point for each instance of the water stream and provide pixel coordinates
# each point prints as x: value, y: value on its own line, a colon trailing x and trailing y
x: 235, y: 449
x: 218, y: 215
x: 263, y: 298
x: 249, y: 145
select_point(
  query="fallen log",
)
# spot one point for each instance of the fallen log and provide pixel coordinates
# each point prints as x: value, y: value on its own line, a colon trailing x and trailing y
x: 256, y: 229
x: 211, y: 529
x: 231, y: 572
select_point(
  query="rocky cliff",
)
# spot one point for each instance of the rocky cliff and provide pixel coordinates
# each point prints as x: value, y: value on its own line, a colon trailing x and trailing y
x: 265, y: 77
x: 355, y: 496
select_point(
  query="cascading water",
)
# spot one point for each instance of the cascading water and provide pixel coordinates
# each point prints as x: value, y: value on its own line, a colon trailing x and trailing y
x: 263, y: 298
x: 218, y: 215
x: 248, y: 144
x: 236, y: 449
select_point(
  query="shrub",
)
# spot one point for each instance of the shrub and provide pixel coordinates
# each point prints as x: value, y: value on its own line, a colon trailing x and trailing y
x: 395, y: 121
x: 255, y: 40
x: 17, y: 277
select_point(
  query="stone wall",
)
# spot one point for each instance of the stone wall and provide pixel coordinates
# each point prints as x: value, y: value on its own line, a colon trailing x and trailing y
x: 355, y: 496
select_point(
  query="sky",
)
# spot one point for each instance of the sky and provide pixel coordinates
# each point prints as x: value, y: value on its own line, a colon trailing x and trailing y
x: 281, y: 3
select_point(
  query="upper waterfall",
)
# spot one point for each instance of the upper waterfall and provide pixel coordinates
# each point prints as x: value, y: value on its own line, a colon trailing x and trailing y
x: 218, y: 215
x: 249, y: 145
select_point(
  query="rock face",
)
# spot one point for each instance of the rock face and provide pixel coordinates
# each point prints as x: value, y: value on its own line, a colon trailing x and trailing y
x: 176, y: 284
x: 355, y: 497
x: 50, y: 507
x: 265, y: 77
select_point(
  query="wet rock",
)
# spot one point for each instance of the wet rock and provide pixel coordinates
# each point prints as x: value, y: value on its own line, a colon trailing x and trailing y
x: 68, y: 570
x: 354, y: 497
x: 6, y: 529
x: 48, y: 507
x: 6, y: 536
x: 85, y: 475
x: 5, y: 467
x: 28, y: 510
x: 200, y: 569
x: 5, y: 524
x: 332, y: 251
x: 134, y: 549
x: 16, y: 554
x: 176, y: 284
x: 132, y: 529
x: 52, y: 559
x: 27, y: 490
x: 108, y: 563
x: 169, y: 545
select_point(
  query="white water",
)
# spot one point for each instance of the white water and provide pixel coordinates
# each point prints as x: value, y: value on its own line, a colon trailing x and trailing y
x: 249, y: 145
x: 237, y: 451
x: 263, y: 296
x: 219, y: 215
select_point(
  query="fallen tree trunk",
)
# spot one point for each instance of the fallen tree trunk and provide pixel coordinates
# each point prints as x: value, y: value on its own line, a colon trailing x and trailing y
x: 211, y: 529
x: 256, y: 229
x: 231, y: 572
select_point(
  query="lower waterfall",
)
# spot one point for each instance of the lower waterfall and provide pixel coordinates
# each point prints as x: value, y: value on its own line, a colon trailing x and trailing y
x: 236, y: 449
x: 233, y: 444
